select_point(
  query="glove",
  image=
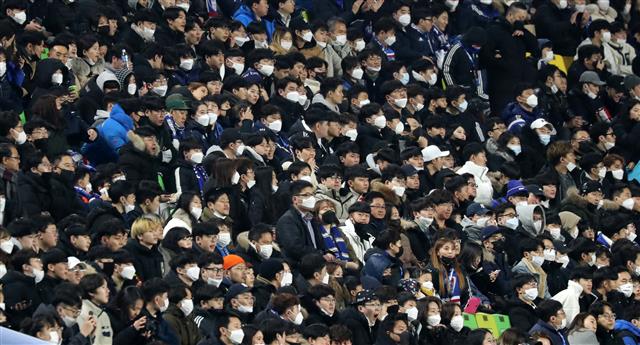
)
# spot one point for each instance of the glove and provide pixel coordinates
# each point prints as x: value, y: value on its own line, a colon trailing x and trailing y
x: 166, y: 156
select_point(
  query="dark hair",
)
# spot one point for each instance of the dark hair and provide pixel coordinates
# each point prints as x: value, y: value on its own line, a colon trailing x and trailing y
x: 154, y: 287
x: 90, y: 283
x: 310, y: 264
x: 548, y: 308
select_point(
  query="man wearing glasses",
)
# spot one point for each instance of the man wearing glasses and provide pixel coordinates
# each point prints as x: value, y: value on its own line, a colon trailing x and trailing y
x: 296, y: 228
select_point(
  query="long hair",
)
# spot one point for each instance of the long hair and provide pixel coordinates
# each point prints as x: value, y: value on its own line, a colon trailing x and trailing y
x: 223, y: 171
x: 45, y: 109
x: 439, y: 265
x: 264, y: 177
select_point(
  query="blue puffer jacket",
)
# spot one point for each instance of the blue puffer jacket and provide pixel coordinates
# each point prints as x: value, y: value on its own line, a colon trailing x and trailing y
x: 245, y: 16
x: 515, y: 116
x: 629, y: 333
x: 114, y: 129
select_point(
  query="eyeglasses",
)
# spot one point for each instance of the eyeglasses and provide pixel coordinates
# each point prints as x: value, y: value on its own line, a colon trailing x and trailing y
x: 328, y: 299
x: 377, y: 206
x: 213, y: 269
x: 609, y: 316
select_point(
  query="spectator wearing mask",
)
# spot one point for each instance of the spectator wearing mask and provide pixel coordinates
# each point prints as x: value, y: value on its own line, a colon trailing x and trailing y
x: 95, y: 298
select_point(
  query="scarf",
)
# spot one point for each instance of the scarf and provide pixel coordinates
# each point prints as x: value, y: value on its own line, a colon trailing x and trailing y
x: 201, y: 175
x: 334, y: 242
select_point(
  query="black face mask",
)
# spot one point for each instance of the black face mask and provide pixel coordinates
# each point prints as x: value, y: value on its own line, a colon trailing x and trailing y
x: 394, y: 223
x: 66, y: 176
x: 40, y: 144
x: 498, y: 246
x: 361, y: 230
x: 448, y: 261
x: 107, y: 268
x: 329, y: 217
x: 405, y: 338
x: 103, y: 30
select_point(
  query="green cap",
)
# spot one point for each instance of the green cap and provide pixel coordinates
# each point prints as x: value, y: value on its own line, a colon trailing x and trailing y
x: 176, y: 102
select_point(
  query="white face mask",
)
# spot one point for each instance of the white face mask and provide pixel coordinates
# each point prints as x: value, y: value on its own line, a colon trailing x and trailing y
x: 196, y: 212
x: 537, y: 225
x: 131, y: 89
x: 486, y: 2
x: 364, y: 102
x: 309, y: 202
x: 602, y: 172
x: 530, y: 294
x: 433, y: 320
x: 632, y: 236
x: 399, y: 190
x: 22, y: 138
x: 321, y: 44
x: 538, y: 260
x: 462, y: 107
x: 245, y: 309
x: 57, y: 78
x: 606, y: 36
x: 618, y: 174
x: 419, y: 106
x: 352, y: 134
x: 186, y: 306
x: 3, y: 271
x: 390, y: 40
x: 532, y: 101
x: 54, y: 337
x: 128, y: 272
x: 303, y: 99
x: 239, y: 151
x: 544, y: 139
x: 69, y: 321
x: 341, y: 40
x: 550, y: 254
x: 307, y: 36
x: 293, y: 96
x: 515, y: 148
x: 562, y: 4
x: 6, y: 246
x: 203, y: 120
x: 404, y: 19
x: 236, y: 336
x: 251, y: 183
x: 3, y: 68
x: 555, y: 232
x: 186, y: 64
x: 306, y: 178
x: 224, y: 238
x: 266, y: 70
x: 399, y: 128
x: 241, y: 40
x: 299, y: 319
x: 626, y: 289
x: 265, y: 251
x: 380, y: 122
x: 287, y: 279
x: 193, y: 273
x: 457, y: 322
x: 580, y: 8
x: 412, y: 314
x: 38, y: 275
x: 20, y: 17
x: 275, y: 125
x: 512, y: 223
x: 286, y: 45
x: 629, y: 203
x: 184, y: 6
x: 213, y: 117
x: 237, y: 67
x: 214, y: 282
x: 198, y: 156
x: 160, y: 90
x: 357, y: 73
x: 400, y: 102
x: 148, y: 33
x: 165, y: 306
x: 360, y: 45
x: 571, y: 166
x: 325, y: 278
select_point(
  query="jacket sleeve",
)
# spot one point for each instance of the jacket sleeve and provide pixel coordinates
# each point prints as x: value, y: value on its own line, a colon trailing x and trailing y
x: 256, y: 207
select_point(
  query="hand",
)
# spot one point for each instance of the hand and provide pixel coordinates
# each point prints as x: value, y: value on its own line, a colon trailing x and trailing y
x: 574, y: 16
x: 312, y: 163
x: 585, y: 17
x: 264, y: 94
x: 494, y: 275
x: 140, y: 323
x: 34, y: 26
x: 329, y: 257
x: 518, y: 33
x: 89, y: 326
x: 356, y: 6
x: 93, y: 135
x: 167, y: 156
x: 600, y: 65
x: 20, y: 306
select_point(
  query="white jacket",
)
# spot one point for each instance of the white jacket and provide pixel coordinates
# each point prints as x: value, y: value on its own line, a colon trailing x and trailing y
x: 359, y: 245
x: 569, y: 298
x: 104, y: 333
x: 618, y: 58
x: 485, y: 189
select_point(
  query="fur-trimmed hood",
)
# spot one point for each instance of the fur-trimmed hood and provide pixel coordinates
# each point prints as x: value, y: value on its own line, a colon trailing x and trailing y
x: 573, y: 197
x: 389, y: 195
x: 138, y: 144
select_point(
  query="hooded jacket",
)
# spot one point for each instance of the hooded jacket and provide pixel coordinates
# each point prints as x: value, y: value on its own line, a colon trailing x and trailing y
x: 183, y: 326
x: 484, y: 193
x: 525, y: 215
x: 115, y: 128
x: 570, y: 299
x: 104, y: 333
x: 583, y: 337
x: 17, y: 288
x: 33, y: 195
x: 136, y: 162
x: 377, y: 261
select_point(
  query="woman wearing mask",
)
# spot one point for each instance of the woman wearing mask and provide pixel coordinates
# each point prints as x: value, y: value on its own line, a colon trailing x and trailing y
x: 90, y: 64
x: 261, y: 196
x: 333, y: 238
x: 480, y: 282
x: 198, y: 126
x: 177, y: 241
x: 190, y: 174
x: 395, y: 330
x: 509, y: 149
x: 128, y: 326
x: 449, y: 279
x: 44, y: 327
x: 451, y: 315
x: 282, y: 42
x: 187, y: 213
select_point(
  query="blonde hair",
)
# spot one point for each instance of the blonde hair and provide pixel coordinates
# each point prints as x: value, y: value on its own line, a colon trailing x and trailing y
x: 145, y: 224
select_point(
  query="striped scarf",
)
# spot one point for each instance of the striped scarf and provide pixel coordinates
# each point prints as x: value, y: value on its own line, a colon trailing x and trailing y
x: 334, y: 242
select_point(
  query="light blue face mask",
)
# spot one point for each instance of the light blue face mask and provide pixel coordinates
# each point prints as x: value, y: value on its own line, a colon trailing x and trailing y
x: 405, y: 78
x: 544, y: 139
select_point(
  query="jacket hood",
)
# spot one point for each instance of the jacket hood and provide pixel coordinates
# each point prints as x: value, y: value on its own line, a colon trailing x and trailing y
x: 575, y: 287
x: 624, y: 325
x: 574, y: 197
x: 525, y: 214
x: 136, y: 142
x: 44, y: 71
x: 389, y: 194
x: 104, y: 77
x: 118, y: 114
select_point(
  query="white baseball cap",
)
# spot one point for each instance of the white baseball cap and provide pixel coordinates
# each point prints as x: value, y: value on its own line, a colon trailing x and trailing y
x: 539, y: 123
x: 432, y: 152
